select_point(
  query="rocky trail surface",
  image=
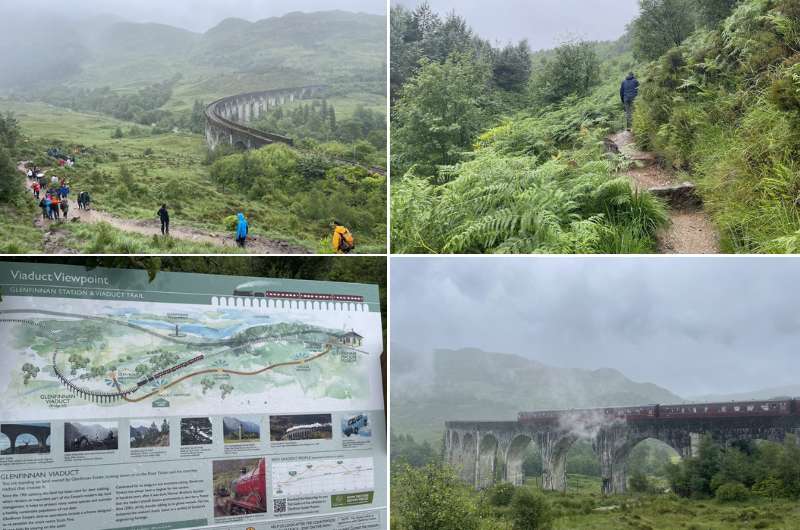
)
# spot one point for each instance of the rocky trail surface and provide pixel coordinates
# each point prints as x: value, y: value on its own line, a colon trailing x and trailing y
x: 690, y: 230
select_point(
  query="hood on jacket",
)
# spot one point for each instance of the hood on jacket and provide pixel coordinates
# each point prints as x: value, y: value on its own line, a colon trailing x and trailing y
x: 630, y: 76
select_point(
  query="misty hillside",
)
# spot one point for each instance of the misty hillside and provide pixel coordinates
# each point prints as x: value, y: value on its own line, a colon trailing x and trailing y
x: 781, y: 392
x: 298, y: 48
x: 474, y: 385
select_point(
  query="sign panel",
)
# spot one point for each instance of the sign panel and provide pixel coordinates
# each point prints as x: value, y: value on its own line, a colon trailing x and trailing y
x: 194, y: 401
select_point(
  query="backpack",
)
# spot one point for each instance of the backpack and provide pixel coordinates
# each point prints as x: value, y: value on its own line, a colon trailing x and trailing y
x: 346, y: 242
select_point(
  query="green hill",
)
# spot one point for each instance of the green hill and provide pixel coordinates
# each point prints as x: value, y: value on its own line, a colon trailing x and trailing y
x: 475, y: 385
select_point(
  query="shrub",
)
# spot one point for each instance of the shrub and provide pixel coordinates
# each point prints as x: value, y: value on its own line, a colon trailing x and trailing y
x: 732, y: 492
x: 530, y: 510
x: 432, y: 497
x: 501, y: 494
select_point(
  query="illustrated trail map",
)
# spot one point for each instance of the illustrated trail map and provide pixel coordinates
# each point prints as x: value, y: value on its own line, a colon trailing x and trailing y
x: 189, y: 375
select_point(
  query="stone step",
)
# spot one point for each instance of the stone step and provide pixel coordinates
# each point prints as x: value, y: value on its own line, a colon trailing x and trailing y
x: 680, y: 196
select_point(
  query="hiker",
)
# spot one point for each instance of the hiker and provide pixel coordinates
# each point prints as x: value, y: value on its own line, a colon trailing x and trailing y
x: 87, y: 199
x: 627, y: 93
x: 54, y: 207
x: 53, y: 181
x: 36, y: 189
x: 241, y: 230
x: 163, y: 214
x: 63, y: 191
x: 30, y: 174
x: 65, y: 207
x: 343, y: 241
x: 47, y: 210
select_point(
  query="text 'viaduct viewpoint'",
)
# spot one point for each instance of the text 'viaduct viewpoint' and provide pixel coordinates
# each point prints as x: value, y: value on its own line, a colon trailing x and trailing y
x: 227, y: 118
x: 486, y: 451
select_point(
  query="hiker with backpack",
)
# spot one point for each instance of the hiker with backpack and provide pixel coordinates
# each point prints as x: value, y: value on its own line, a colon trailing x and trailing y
x: 343, y: 241
x: 241, y: 230
x: 44, y: 204
x: 163, y: 214
x: 65, y: 207
x: 55, y: 203
x: 627, y: 93
x: 37, y: 188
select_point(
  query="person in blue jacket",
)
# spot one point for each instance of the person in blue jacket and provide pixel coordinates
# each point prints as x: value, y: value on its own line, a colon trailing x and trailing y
x: 241, y: 230
x: 627, y: 93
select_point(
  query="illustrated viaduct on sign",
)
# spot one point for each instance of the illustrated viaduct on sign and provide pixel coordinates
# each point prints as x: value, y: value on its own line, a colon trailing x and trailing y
x: 485, y: 452
x: 227, y: 118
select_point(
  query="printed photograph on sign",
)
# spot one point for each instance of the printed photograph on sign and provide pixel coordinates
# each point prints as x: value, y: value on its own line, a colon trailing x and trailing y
x: 241, y: 429
x: 91, y: 436
x: 300, y: 427
x: 149, y: 433
x: 24, y: 438
x: 240, y: 487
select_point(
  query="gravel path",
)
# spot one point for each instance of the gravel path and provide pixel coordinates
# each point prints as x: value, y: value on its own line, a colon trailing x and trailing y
x: 255, y: 244
x: 691, y: 230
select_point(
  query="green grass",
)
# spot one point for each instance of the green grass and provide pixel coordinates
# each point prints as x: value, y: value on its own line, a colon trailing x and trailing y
x: 164, y: 168
x: 18, y: 235
x: 584, y: 508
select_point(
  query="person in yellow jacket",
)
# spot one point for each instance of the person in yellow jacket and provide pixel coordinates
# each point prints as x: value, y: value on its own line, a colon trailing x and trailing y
x: 342, y: 241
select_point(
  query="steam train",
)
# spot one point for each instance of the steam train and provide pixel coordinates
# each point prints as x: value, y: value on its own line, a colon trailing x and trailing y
x: 770, y: 408
x: 248, y: 493
x: 355, y: 424
x: 168, y: 371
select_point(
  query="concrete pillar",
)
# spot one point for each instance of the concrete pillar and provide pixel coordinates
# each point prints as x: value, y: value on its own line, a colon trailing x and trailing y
x: 487, y: 461
x: 13, y: 440
x: 514, y: 459
x: 608, y: 445
x: 554, y: 447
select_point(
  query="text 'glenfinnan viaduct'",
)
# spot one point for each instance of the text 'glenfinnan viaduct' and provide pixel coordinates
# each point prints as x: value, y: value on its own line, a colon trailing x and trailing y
x: 486, y: 451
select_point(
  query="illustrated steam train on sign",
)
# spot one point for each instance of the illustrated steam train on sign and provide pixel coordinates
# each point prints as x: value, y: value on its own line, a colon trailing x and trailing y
x: 734, y: 409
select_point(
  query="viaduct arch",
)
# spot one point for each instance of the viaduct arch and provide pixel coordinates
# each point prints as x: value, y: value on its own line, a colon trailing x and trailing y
x: 484, y: 452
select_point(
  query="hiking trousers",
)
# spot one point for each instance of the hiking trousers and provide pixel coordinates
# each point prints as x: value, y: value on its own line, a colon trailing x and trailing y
x: 164, y: 227
x: 629, y: 115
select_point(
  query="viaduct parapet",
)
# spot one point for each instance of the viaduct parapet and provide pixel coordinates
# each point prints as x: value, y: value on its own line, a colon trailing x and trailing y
x: 485, y: 452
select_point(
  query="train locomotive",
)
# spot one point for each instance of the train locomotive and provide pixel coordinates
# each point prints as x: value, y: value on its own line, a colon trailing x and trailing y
x: 162, y: 373
x: 733, y: 409
x: 248, y: 493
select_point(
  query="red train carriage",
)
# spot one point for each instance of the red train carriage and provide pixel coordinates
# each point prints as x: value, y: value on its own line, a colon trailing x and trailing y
x: 785, y: 407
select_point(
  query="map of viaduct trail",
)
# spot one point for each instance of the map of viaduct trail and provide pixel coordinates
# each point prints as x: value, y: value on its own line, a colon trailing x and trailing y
x: 127, y: 368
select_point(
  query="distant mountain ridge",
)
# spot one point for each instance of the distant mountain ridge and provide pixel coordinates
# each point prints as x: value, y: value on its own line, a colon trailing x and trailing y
x: 469, y: 384
x: 306, y: 48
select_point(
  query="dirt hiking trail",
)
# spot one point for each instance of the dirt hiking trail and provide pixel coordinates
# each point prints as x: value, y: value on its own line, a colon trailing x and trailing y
x: 54, y: 243
x: 690, y: 230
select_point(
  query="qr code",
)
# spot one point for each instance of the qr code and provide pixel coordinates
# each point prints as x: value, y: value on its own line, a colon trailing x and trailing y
x: 279, y: 505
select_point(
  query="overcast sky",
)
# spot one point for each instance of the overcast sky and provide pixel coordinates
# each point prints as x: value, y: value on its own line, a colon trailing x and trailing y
x: 694, y: 326
x: 545, y: 23
x: 196, y: 15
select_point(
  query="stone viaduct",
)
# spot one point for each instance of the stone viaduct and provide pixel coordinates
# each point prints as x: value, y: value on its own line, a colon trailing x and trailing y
x: 227, y: 118
x: 486, y: 452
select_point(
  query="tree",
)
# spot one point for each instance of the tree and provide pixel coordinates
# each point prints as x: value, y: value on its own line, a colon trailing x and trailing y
x: 712, y: 12
x: 530, y: 510
x: 662, y: 24
x: 574, y: 70
x: 29, y: 372
x: 438, y: 114
x: 10, y: 179
x: 117, y: 134
x: 511, y: 67
x: 432, y: 497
